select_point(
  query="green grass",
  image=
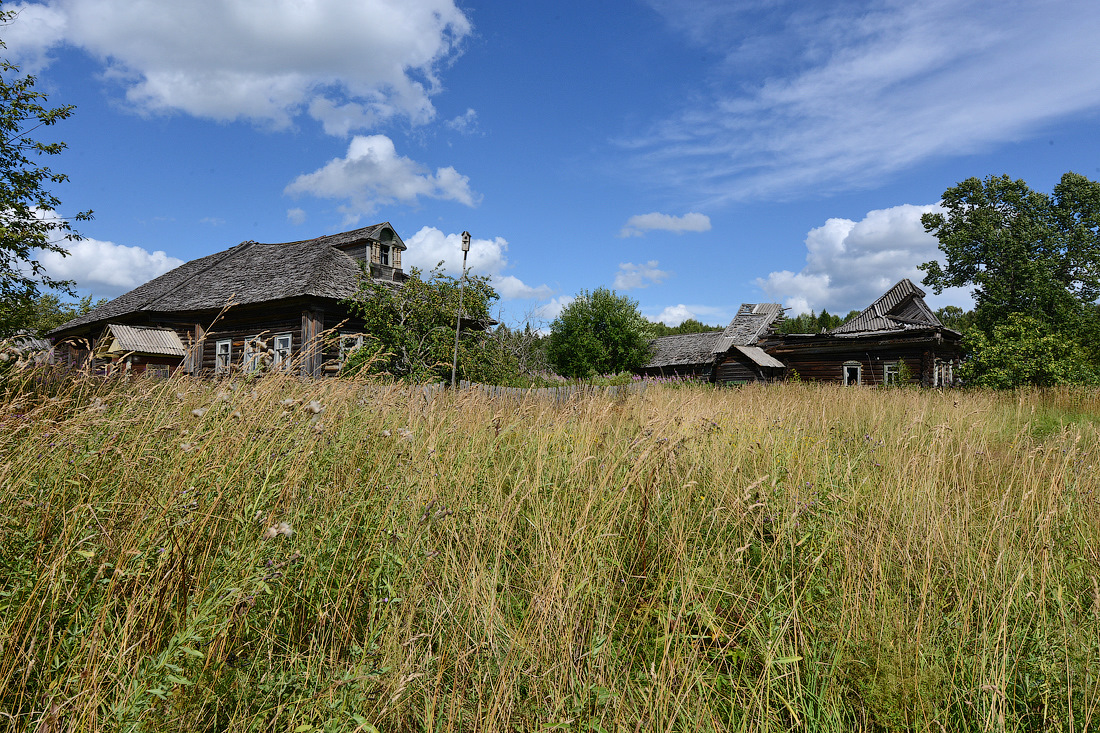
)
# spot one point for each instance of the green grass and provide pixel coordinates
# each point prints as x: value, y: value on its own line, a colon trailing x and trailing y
x: 767, y: 558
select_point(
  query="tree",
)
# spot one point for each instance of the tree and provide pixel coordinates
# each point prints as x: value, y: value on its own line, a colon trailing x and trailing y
x: 42, y: 314
x: 600, y: 332
x: 28, y: 219
x: 1021, y: 251
x: 1031, y: 259
x: 691, y: 325
x: 811, y: 323
x: 1018, y: 353
x: 411, y: 327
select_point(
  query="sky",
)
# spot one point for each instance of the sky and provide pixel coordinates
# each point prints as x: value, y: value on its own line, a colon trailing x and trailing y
x: 692, y: 155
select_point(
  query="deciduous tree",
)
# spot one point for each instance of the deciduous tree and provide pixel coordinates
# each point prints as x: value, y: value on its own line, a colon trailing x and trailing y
x: 600, y: 332
x: 29, y: 223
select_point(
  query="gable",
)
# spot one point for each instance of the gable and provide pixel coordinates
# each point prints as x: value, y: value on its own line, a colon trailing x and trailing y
x: 900, y: 308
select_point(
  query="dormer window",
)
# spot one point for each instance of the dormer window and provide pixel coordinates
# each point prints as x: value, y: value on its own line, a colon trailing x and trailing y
x: 384, y: 254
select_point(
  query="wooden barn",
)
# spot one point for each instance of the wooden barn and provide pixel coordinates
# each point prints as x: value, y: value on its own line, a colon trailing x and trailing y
x: 896, y: 339
x: 732, y: 356
x: 251, y: 305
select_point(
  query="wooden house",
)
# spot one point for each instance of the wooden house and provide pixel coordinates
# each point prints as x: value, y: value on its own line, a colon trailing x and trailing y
x: 732, y: 356
x: 249, y: 306
x: 895, y: 339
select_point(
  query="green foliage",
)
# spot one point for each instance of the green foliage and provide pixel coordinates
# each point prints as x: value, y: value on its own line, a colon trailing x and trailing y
x: 1021, y: 251
x: 41, y: 314
x: 412, y: 328
x: 691, y: 325
x: 28, y: 220
x: 600, y: 332
x: 1019, y: 353
x: 955, y: 318
x: 1027, y: 255
x: 813, y: 323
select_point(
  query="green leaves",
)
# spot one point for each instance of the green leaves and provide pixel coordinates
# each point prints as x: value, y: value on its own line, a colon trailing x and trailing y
x: 28, y: 222
x: 600, y: 332
x: 1025, y: 254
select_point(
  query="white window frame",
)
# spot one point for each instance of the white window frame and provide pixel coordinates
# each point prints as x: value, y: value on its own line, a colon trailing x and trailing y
x: 223, y: 348
x: 354, y: 339
x: 250, y: 359
x: 891, y: 371
x: 282, y: 344
x: 944, y: 374
x: 859, y: 373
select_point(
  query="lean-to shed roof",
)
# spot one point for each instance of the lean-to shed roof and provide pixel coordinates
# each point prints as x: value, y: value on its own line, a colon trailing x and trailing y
x: 143, y: 340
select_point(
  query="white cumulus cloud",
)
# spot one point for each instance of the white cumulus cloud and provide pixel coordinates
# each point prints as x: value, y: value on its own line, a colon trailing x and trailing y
x: 106, y: 269
x: 372, y: 174
x: 430, y: 246
x: 637, y: 226
x: 296, y: 216
x: 850, y: 263
x: 350, y: 63
x: 631, y: 276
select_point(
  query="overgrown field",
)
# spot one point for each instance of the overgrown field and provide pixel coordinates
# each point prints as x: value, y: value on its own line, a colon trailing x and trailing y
x: 759, y: 559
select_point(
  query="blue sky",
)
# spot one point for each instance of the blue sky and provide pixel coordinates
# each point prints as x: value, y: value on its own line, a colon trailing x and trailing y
x: 693, y: 155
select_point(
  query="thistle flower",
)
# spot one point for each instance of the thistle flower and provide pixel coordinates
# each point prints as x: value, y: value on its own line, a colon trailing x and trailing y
x: 187, y: 447
x: 385, y: 433
x: 406, y: 434
x: 199, y: 411
x: 288, y: 402
x: 313, y: 406
x: 282, y: 528
x: 236, y: 414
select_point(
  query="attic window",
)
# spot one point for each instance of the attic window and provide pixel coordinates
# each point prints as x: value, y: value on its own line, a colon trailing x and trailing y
x: 386, y: 235
x: 384, y: 254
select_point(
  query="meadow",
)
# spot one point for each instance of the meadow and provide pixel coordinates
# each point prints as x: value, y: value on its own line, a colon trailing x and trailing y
x: 278, y: 555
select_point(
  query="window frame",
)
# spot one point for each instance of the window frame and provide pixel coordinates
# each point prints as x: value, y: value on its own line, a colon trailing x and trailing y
x: 891, y: 373
x: 344, y: 349
x: 859, y: 373
x: 384, y: 255
x: 281, y: 358
x: 219, y: 367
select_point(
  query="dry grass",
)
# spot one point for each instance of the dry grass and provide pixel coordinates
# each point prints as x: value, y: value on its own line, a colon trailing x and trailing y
x: 792, y: 557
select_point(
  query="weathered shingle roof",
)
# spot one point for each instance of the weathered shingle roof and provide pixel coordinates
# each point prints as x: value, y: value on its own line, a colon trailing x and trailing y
x: 750, y: 323
x: 901, y: 308
x: 250, y: 272
x: 683, y: 350
x: 144, y: 340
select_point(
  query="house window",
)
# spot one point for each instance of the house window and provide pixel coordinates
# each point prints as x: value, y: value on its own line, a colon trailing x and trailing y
x: 944, y: 374
x: 256, y: 354
x: 282, y: 350
x: 223, y: 356
x: 853, y: 373
x: 384, y: 254
x: 349, y: 342
x: 890, y: 372
x: 158, y: 371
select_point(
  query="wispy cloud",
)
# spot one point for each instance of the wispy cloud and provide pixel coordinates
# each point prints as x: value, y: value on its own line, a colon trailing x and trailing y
x: 867, y: 89
x: 638, y: 225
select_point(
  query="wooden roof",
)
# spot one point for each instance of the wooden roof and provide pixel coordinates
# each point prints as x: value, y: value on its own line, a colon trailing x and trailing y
x: 683, y: 350
x: 761, y: 357
x: 250, y: 272
x: 750, y: 323
x: 901, y: 308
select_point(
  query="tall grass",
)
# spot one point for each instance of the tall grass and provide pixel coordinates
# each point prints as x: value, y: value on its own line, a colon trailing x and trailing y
x: 767, y: 558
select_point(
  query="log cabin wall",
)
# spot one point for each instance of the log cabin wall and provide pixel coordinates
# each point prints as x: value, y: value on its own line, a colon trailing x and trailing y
x: 823, y: 359
x: 733, y: 370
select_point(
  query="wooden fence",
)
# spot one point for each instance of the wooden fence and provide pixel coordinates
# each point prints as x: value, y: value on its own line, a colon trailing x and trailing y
x: 563, y: 393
